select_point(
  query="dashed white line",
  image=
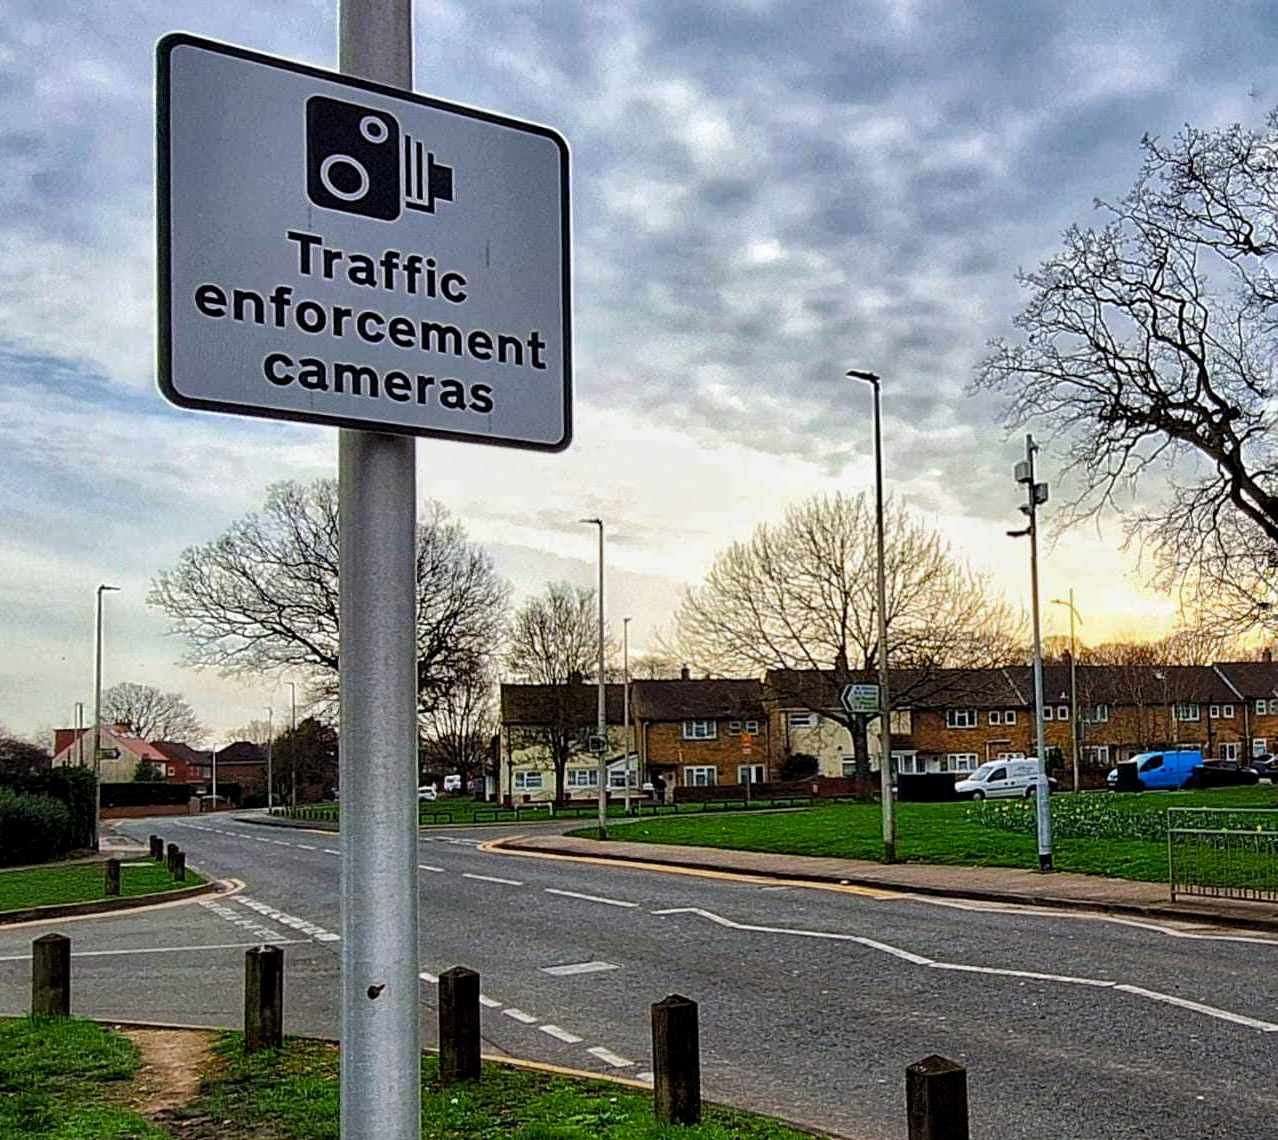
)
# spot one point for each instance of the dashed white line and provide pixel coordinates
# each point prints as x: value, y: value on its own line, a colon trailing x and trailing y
x: 427, y: 976
x: 492, y: 879
x: 589, y: 898
x: 428, y: 867
x: 608, y: 1057
x: 306, y: 847
x: 519, y: 1015
x: 489, y: 1003
x: 570, y: 968
x: 331, y: 851
x: 560, y: 1034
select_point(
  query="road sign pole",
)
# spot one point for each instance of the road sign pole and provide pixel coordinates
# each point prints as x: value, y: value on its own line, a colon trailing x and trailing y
x: 381, y: 1043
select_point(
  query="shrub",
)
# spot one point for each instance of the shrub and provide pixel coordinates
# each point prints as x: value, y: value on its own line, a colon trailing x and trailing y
x: 800, y: 766
x: 33, y: 828
x: 70, y: 786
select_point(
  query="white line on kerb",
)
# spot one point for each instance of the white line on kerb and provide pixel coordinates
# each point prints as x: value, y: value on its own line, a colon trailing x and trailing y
x: 608, y: 1057
x: 519, y: 1015
x: 492, y: 879
x: 588, y: 898
x: 560, y: 1034
x: 919, y: 960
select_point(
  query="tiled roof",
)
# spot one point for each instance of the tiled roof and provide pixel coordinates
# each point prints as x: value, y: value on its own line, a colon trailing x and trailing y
x: 539, y: 704
x: 1252, y: 678
x: 181, y: 753
x: 703, y: 699
x: 912, y: 688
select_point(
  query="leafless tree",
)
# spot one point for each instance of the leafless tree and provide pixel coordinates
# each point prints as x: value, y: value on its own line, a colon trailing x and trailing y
x: 152, y: 714
x: 800, y: 594
x: 459, y: 727
x: 654, y: 667
x: 1147, y: 350
x: 262, y: 598
x: 554, y: 641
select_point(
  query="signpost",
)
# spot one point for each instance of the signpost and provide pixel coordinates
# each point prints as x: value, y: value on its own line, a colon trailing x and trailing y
x: 335, y: 249
x: 857, y: 699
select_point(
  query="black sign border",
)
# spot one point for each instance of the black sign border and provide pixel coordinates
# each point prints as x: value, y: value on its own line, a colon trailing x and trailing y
x: 164, y: 247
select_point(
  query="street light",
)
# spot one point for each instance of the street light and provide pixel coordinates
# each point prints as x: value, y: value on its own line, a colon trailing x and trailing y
x: 1073, y: 678
x: 292, y: 742
x: 1036, y: 496
x: 270, y: 737
x: 625, y: 700
x: 603, y: 709
x: 97, y: 715
x: 885, y: 703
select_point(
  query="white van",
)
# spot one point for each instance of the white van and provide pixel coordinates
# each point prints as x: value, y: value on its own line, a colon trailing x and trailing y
x: 1000, y: 778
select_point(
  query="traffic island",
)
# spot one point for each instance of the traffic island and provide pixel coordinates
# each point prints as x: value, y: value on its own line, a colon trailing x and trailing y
x: 64, y: 1077
x: 60, y: 890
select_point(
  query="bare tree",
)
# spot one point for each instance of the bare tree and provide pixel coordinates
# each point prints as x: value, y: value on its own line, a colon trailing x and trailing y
x: 152, y: 714
x: 554, y: 641
x: 800, y: 595
x: 458, y: 729
x: 1147, y: 351
x: 262, y: 598
x: 654, y: 667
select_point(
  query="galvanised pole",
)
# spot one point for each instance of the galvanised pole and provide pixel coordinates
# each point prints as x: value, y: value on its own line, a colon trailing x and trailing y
x: 377, y: 497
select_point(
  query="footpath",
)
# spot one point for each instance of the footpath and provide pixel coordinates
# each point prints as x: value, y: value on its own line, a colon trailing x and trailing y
x: 1060, y: 890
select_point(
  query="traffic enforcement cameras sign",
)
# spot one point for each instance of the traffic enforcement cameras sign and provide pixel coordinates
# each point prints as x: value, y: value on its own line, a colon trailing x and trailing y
x: 339, y: 252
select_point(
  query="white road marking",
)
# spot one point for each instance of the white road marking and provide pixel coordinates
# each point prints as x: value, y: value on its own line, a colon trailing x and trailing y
x: 165, y: 949
x: 492, y: 879
x: 311, y: 929
x: 306, y: 847
x: 560, y: 1034
x: 331, y: 851
x: 588, y: 898
x: 919, y: 960
x: 428, y: 867
x: 571, y: 968
x: 644, y: 1076
x: 519, y: 1015
x: 427, y: 976
x: 608, y: 1057
x: 489, y: 1003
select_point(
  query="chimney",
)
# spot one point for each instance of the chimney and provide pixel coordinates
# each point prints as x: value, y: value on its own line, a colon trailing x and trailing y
x: 685, y: 674
x: 841, y: 661
x: 575, y: 677
x: 1067, y: 658
x: 1267, y: 656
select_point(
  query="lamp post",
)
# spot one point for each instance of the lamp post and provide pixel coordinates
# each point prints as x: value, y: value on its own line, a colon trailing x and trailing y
x: 885, y: 702
x: 270, y: 738
x: 625, y: 700
x: 97, y: 715
x: 1073, y: 679
x: 214, y: 789
x: 292, y: 743
x: 1036, y: 496
x: 79, y: 731
x: 603, y: 708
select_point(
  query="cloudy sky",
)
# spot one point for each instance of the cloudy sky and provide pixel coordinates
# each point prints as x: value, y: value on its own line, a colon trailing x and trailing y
x: 764, y: 194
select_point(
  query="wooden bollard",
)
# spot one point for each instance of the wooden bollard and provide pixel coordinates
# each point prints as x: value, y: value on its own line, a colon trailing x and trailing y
x: 113, y: 877
x: 458, y: 1025
x: 936, y: 1099
x: 178, y: 867
x: 676, y: 1061
x: 157, y: 849
x: 263, y: 998
x: 173, y: 850
x: 51, y: 976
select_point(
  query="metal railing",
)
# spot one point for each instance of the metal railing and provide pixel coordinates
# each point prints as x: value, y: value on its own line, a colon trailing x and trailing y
x: 1227, y: 853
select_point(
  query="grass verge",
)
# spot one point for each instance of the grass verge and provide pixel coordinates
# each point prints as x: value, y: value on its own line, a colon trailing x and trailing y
x: 59, y: 1079
x: 84, y: 882
x: 960, y: 833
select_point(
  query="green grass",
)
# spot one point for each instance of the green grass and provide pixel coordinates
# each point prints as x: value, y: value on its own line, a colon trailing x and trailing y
x: 83, y: 882
x: 57, y: 1080
x: 959, y: 833
x: 292, y: 1094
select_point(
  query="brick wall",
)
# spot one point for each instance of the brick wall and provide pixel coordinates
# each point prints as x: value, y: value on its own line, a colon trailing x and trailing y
x: 143, y: 811
x: 820, y: 787
x: 667, y: 748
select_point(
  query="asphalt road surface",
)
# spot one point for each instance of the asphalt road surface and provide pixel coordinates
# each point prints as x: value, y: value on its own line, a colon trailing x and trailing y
x: 812, y: 1001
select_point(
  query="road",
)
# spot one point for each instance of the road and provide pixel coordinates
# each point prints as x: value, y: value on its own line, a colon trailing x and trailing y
x: 812, y: 1001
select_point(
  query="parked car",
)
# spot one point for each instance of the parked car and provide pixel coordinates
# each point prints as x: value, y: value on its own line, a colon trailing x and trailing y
x: 1156, y: 771
x: 996, y: 778
x: 427, y: 793
x: 1225, y: 774
x: 1266, y: 767
x: 453, y: 783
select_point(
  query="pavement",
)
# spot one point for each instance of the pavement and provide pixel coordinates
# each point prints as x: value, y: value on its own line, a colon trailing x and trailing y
x: 814, y: 998
x: 1059, y: 889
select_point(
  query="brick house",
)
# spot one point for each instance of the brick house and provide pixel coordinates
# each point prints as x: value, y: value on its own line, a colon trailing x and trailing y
x: 1256, y: 684
x: 701, y: 733
x: 184, y: 764
x: 125, y: 752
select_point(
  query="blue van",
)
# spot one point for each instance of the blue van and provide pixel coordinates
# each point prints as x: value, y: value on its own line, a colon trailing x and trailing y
x: 1154, y: 771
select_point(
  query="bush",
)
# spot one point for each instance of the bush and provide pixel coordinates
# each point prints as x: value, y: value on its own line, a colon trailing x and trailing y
x: 800, y: 766
x: 33, y: 828
x: 70, y: 786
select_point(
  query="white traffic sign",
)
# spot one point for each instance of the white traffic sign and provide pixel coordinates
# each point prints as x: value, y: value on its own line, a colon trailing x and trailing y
x: 340, y: 252
x: 857, y: 698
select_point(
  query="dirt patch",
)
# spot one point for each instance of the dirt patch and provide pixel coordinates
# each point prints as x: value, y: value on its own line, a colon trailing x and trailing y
x: 174, y: 1061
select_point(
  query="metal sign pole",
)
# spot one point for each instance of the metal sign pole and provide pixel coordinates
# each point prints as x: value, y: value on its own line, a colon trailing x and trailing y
x: 381, y: 1036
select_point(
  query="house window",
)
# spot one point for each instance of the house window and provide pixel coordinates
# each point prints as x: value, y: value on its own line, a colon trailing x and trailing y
x: 617, y: 778
x: 750, y: 774
x: 1227, y: 711
x: 802, y: 720
x: 1062, y: 712
x: 909, y: 763
x: 527, y: 781
x: 1048, y: 713
x: 1259, y: 746
x: 170, y: 770
x: 699, y: 730
x: 1009, y: 716
x: 583, y: 777
x: 1213, y: 712
x: 1187, y: 711
x: 1229, y: 750
x: 752, y: 728
x: 1010, y: 756
x: 1096, y: 755
x: 1097, y: 714
x: 849, y: 769
x: 996, y: 717
x: 1262, y: 707
x: 961, y: 762
x: 960, y: 718
x: 734, y: 728
x: 700, y: 776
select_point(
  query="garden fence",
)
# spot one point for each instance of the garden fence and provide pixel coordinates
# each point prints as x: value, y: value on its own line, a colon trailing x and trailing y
x: 1223, y: 852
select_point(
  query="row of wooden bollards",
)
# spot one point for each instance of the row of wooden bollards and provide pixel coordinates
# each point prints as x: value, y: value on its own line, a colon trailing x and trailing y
x: 175, y: 857
x: 935, y: 1088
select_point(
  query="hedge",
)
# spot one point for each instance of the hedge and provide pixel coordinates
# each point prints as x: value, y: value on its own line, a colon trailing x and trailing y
x: 72, y: 787
x: 33, y: 828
